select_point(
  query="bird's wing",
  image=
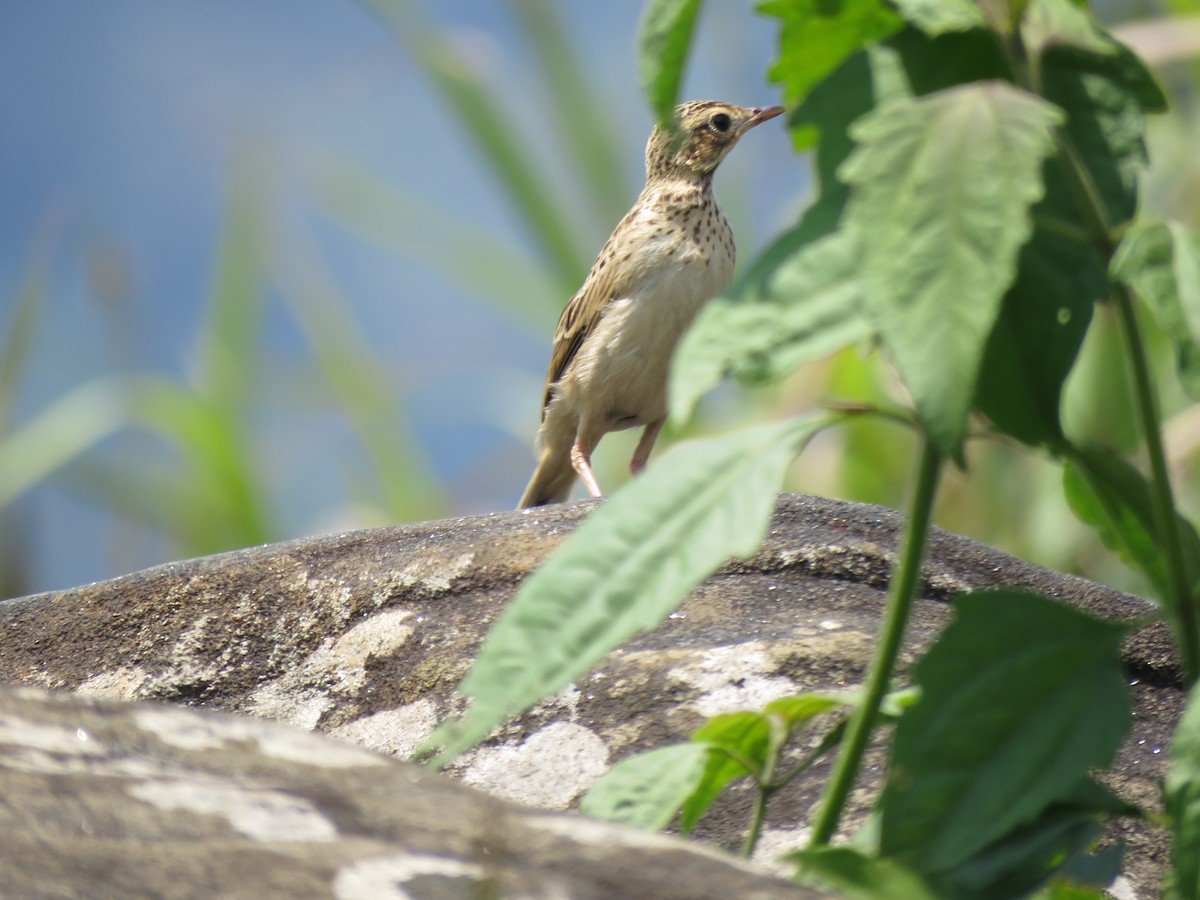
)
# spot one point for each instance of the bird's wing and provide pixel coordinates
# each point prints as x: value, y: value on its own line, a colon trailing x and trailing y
x: 583, y: 313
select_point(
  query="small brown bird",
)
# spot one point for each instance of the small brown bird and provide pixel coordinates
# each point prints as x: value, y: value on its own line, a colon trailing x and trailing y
x: 670, y: 254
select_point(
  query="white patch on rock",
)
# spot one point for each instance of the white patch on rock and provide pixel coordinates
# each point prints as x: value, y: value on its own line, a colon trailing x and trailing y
x: 379, y: 878
x: 124, y: 683
x: 188, y: 731
x: 773, y: 844
x: 31, y: 735
x: 338, y: 666
x: 548, y: 770
x: 731, y: 679
x: 1122, y: 889
x: 435, y: 574
x: 258, y: 813
x: 394, y: 731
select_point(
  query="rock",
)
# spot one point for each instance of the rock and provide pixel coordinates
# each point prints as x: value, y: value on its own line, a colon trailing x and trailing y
x: 364, y: 635
x: 108, y: 799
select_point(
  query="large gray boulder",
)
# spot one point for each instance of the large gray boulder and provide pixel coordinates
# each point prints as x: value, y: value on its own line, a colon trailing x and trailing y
x: 364, y: 636
x: 131, y: 800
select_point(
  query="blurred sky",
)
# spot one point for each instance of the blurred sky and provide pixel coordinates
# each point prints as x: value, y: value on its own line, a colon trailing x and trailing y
x: 121, y: 123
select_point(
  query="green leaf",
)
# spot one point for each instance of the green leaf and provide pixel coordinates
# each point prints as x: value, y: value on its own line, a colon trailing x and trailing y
x: 1032, y: 853
x: 736, y: 741
x: 743, y: 739
x: 1065, y: 24
x: 808, y: 308
x: 1047, y: 23
x: 854, y: 874
x: 1021, y: 697
x: 936, y: 17
x: 942, y: 190
x: 1181, y: 794
x: 1161, y: 262
x: 817, y: 36
x: 1033, y: 345
x: 1104, y: 95
x: 664, y: 39
x: 1113, y: 497
x: 647, y: 790
x: 626, y: 566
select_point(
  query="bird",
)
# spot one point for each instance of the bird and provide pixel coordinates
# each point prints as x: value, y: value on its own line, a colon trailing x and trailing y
x: 670, y: 254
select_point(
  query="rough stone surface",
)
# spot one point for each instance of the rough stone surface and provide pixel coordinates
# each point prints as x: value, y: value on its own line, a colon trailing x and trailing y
x: 105, y: 799
x: 365, y: 634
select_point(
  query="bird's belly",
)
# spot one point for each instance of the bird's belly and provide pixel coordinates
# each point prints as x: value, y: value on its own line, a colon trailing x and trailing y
x: 623, y: 367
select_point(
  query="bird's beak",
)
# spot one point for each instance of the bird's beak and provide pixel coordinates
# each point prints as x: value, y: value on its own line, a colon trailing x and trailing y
x: 760, y: 115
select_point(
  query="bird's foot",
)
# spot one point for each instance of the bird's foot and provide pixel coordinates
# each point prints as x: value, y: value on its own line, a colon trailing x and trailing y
x: 581, y: 462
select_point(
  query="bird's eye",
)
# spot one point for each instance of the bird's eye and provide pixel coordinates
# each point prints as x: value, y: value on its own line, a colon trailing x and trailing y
x: 720, y: 122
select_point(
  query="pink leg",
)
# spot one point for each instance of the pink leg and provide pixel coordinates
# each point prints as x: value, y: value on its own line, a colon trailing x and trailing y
x: 642, y: 453
x: 581, y: 462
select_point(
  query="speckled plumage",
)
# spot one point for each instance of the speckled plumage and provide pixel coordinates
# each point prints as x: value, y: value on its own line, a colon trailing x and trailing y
x: 668, y: 256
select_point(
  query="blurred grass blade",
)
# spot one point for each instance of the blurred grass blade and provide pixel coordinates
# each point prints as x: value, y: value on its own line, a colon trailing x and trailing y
x: 408, y: 487
x: 61, y: 432
x: 664, y: 39
x: 495, y: 271
x: 230, y: 336
x: 217, y: 465
x: 22, y: 324
x: 584, y: 124
x: 479, y: 110
x: 212, y: 428
x: 625, y: 567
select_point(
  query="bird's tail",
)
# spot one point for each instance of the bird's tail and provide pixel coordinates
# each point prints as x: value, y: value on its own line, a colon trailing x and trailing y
x: 553, y: 478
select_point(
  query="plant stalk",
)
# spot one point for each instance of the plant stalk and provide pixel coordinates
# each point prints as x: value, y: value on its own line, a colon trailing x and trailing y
x: 1181, y: 603
x: 901, y: 592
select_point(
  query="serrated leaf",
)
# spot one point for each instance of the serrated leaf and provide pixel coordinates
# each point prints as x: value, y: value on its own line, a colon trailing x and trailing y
x: 1161, y: 262
x: 808, y: 308
x: 1181, y: 795
x: 817, y: 36
x: 1021, y: 697
x: 942, y: 190
x: 664, y: 39
x: 854, y: 874
x: 626, y: 566
x: 647, y: 790
x: 1069, y: 25
x: 1046, y: 23
x: 936, y: 17
x: 1033, y: 345
x: 1109, y: 494
x: 1105, y: 96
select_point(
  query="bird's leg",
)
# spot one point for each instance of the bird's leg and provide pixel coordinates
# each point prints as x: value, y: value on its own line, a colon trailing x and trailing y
x: 581, y: 462
x: 642, y: 452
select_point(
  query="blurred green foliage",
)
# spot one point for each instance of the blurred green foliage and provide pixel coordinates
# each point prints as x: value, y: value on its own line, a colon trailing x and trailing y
x: 213, y: 494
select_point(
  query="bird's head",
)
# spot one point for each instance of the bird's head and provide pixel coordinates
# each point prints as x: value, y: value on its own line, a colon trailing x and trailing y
x: 708, y: 129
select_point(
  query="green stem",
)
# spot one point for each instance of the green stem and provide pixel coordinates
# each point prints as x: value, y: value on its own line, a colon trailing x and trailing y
x: 901, y: 592
x: 778, y: 736
x: 1180, y: 602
